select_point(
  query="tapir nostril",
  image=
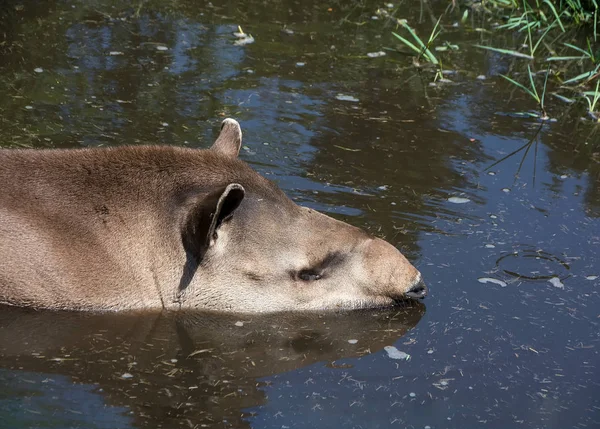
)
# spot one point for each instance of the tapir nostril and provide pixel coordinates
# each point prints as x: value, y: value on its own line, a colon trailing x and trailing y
x: 418, y: 291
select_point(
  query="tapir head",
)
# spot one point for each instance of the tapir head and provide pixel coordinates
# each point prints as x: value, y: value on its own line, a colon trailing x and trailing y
x: 254, y: 250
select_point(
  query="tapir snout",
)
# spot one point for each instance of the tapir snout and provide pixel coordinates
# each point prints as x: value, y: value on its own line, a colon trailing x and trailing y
x: 166, y: 227
x: 394, y: 276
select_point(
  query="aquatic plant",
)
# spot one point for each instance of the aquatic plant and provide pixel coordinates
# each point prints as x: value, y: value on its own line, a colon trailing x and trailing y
x: 592, y: 98
x: 533, y: 92
x: 422, y: 50
x: 574, y: 65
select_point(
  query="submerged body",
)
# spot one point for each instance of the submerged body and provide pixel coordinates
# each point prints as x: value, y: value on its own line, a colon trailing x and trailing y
x: 167, y: 227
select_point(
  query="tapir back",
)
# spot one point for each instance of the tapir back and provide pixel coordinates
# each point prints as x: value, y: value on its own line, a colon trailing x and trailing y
x: 94, y: 229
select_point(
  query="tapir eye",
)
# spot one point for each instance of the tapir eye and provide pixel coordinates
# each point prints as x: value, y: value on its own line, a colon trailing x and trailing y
x: 309, y: 275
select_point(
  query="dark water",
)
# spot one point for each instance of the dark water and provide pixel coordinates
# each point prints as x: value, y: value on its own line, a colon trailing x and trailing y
x: 521, y: 352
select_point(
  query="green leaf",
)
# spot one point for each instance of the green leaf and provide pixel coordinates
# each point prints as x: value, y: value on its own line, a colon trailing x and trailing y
x: 565, y: 58
x: 506, y: 51
x: 527, y: 90
x: 465, y: 16
x: 577, y: 48
x: 407, y: 43
x: 556, y: 15
x: 582, y: 76
x: 427, y: 52
x: 537, y: 97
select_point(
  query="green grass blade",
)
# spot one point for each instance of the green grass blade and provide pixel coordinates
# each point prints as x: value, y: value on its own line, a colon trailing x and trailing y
x: 545, y: 85
x: 537, y: 97
x: 465, y: 16
x: 596, y: 97
x: 565, y: 58
x: 414, y: 35
x: 426, y: 51
x: 433, y: 32
x: 524, y: 88
x: 550, y: 27
x: 407, y: 43
x: 505, y: 51
x: 580, y: 77
x: 577, y: 48
x: 556, y: 15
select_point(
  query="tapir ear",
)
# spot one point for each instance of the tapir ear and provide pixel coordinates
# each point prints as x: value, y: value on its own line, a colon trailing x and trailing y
x: 207, y: 215
x: 229, y: 141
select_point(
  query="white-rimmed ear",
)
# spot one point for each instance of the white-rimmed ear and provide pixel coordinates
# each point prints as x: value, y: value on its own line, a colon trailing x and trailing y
x: 229, y: 141
x: 206, y: 216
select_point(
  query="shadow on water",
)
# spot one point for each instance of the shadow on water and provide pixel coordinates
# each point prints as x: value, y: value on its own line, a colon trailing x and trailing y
x: 170, y: 369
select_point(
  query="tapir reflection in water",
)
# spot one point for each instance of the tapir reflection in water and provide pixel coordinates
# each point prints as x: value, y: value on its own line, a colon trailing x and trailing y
x: 141, y: 227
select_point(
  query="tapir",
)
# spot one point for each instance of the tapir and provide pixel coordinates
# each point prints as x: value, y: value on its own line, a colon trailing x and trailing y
x: 163, y: 227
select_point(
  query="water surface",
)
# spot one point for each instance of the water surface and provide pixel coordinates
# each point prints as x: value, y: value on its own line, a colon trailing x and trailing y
x: 367, y: 140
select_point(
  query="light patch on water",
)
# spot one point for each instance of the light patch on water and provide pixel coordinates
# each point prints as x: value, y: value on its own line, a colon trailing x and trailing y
x: 491, y: 280
x: 248, y: 39
x: 458, y: 200
x: 343, y: 97
x: 555, y: 281
x: 394, y: 353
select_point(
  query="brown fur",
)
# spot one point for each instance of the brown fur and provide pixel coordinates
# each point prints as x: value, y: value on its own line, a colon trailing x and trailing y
x: 106, y: 229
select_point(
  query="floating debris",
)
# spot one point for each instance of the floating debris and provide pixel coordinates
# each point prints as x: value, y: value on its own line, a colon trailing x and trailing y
x: 162, y: 48
x: 591, y: 277
x: 443, y: 383
x: 353, y: 341
x: 394, y: 353
x: 300, y: 64
x: 506, y: 190
x: 376, y: 54
x: 343, y: 97
x: 29, y: 107
x: 412, y: 394
x: 244, y: 41
x: 114, y: 53
x: 127, y: 375
x: 555, y: 281
x: 481, y: 77
x: 491, y: 280
x: 38, y: 70
x: 458, y: 200
x: 243, y: 38
x: 490, y: 246
x: 240, y: 324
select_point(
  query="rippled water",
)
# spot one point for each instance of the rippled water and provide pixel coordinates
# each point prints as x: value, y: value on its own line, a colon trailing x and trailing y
x: 367, y: 140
